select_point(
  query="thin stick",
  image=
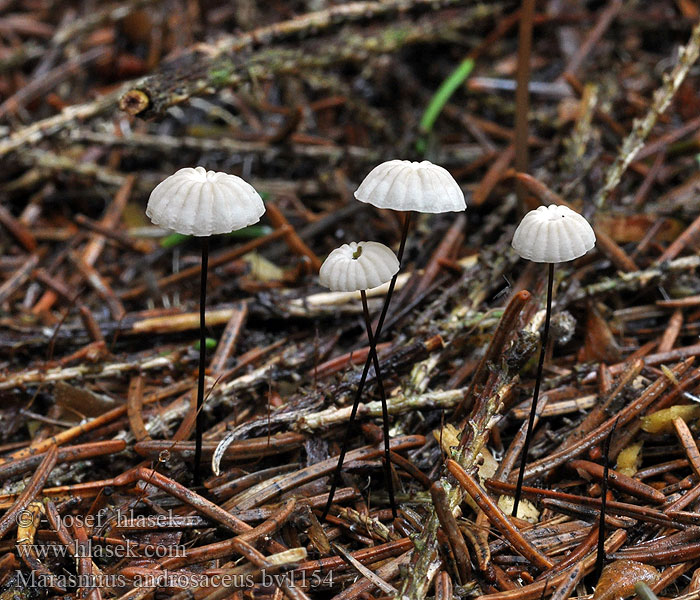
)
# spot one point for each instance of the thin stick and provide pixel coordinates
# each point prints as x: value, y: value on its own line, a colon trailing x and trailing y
x: 202, y: 362
x: 496, y: 517
x: 371, y: 355
x: 600, y: 556
x: 12, y: 517
x: 382, y: 395
x: 536, y: 393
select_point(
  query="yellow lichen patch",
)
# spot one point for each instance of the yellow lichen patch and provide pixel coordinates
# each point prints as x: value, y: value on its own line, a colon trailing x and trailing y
x: 527, y: 511
x: 262, y: 269
x: 488, y: 466
x: 447, y: 437
x: 629, y: 459
x: 662, y: 421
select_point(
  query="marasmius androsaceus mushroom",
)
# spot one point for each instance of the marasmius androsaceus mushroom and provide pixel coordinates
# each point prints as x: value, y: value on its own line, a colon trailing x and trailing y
x: 194, y: 201
x: 404, y: 186
x: 353, y: 267
x: 549, y: 234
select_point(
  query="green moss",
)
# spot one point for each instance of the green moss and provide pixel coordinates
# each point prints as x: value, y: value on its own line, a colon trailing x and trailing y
x: 219, y: 75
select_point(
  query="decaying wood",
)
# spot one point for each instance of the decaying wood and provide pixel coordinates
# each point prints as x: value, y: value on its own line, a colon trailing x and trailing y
x: 231, y: 62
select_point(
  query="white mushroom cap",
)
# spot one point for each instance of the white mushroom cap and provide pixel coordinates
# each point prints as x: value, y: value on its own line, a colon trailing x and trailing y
x: 358, y: 266
x: 202, y: 203
x: 405, y: 185
x: 552, y: 234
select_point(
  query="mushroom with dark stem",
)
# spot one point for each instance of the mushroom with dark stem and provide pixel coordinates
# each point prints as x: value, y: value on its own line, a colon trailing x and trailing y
x: 353, y: 267
x: 404, y: 186
x: 549, y: 234
x: 194, y: 201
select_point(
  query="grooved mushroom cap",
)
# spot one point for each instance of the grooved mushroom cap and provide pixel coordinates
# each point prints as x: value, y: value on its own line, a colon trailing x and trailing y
x: 203, y: 203
x: 358, y: 266
x: 405, y: 185
x: 552, y: 234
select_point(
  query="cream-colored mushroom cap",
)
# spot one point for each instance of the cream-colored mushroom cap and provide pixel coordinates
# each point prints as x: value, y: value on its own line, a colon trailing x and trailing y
x: 552, y: 234
x: 202, y: 203
x: 358, y: 266
x: 405, y: 185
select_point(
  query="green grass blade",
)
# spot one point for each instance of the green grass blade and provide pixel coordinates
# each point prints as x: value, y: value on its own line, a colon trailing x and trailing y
x: 441, y: 96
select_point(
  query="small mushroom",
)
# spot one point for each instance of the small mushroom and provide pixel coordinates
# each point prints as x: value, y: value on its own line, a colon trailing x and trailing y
x: 359, y: 266
x: 553, y: 234
x: 548, y: 234
x: 404, y: 186
x: 194, y: 201
x: 411, y: 186
x: 408, y: 186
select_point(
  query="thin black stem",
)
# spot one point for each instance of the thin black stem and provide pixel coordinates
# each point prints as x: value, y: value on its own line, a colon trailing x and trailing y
x: 341, y: 456
x: 382, y: 395
x: 202, y: 362
x: 372, y: 355
x: 600, y: 557
x: 536, y: 393
x: 392, y: 285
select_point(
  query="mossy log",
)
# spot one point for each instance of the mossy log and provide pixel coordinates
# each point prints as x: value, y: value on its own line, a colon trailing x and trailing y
x: 239, y: 60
